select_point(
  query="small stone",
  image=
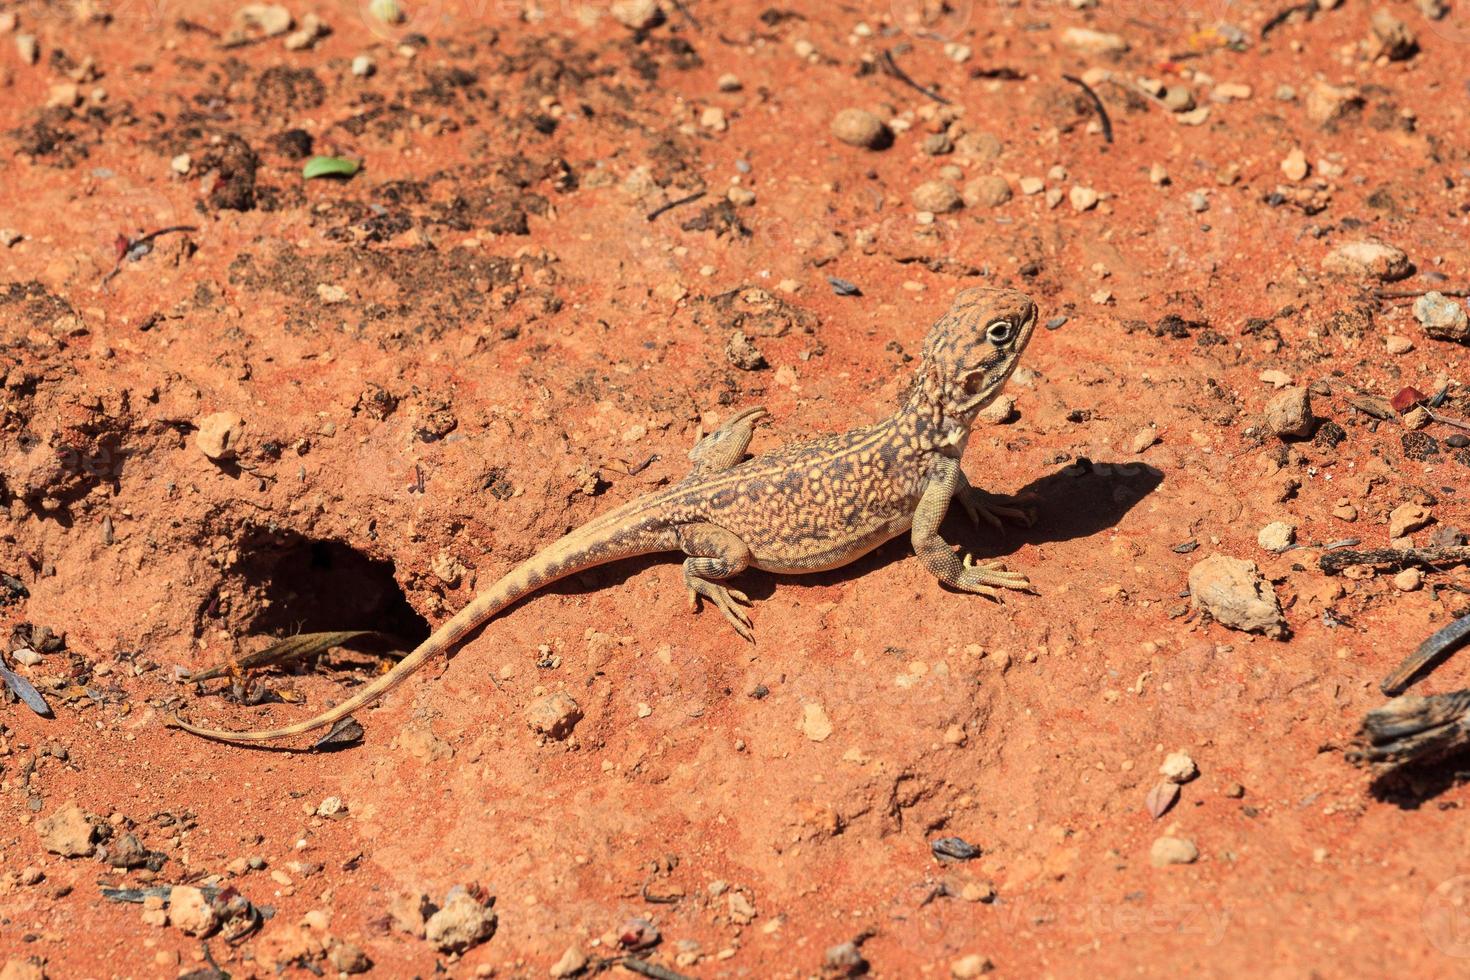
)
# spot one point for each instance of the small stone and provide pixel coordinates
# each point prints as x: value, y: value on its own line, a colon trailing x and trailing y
x: 936, y: 197
x: 1198, y: 201
x: 312, y: 30
x: 1082, y: 198
x: 1417, y: 417
x: 1178, y: 767
x: 330, y: 293
x: 554, y: 714
x: 9, y: 21
x: 190, y: 912
x: 937, y: 145
x: 269, y: 19
x: 1368, y: 258
x: 363, y: 66
x: 26, y: 657
x: 969, y: 967
x: 572, y: 962
x: 461, y: 924
x: 1233, y: 592
x: 349, y: 958
x: 637, y: 15
x: 64, y: 94
x: 408, y: 912
x: 181, y: 163
x: 978, y: 891
x: 858, y: 127
x: 1295, y: 166
x: 1442, y: 318
x: 1326, y: 104
x: 990, y: 192
x: 1409, y: 580
x: 1143, y: 439
x: 1276, y: 537
x: 1391, y: 38
x: 844, y: 960
x: 1231, y: 92
x: 1172, y: 850
x: 9, y: 237
x: 28, y: 48
x: 1289, y: 414
x: 743, y: 353
x: 1406, y: 519
x: 1275, y: 378
x: 1158, y: 175
x: 1031, y: 185
x: 219, y: 435
x: 729, y: 83
x: 1234, y: 791
x: 1194, y: 117
x: 713, y: 118
x: 332, y: 808
x: 814, y: 723
x: 1094, y: 42
x: 19, y: 969
x: 1344, y: 510
x: 67, y: 832
x: 1001, y: 410
x: 1397, y: 344
x: 740, y: 196
x: 1178, y: 98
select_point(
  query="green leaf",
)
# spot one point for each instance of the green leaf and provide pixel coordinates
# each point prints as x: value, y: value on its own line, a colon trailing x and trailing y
x: 330, y: 167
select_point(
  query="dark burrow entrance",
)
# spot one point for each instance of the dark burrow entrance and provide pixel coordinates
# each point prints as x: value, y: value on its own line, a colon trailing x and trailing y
x: 294, y: 584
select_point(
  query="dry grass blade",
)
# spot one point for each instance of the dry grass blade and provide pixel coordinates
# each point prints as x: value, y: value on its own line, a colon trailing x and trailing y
x: 291, y: 648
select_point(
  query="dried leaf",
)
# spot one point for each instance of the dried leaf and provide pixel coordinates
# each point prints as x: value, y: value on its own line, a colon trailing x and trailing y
x: 26, y: 691
x: 1161, y: 798
x: 330, y: 167
x: 347, y: 731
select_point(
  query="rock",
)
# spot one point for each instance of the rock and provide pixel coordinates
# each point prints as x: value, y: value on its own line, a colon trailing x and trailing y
x: 1172, y: 850
x: 1295, y: 166
x: 858, y: 127
x: 979, y: 146
x: 1344, y: 510
x: 1417, y: 417
x: 219, y: 435
x: 460, y: 925
x: 363, y: 66
x: 1408, y: 580
x: 1289, y: 414
x: 814, y: 723
x: 67, y: 832
x: 1232, y: 591
x: 312, y: 30
x: 729, y: 82
x: 1082, y: 198
x: 1001, y: 410
x: 743, y: 353
x: 1368, y: 258
x: 332, y: 808
x: 969, y: 967
x: 637, y: 15
x: 1326, y: 104
x: 1396, y: 344
x: 1442, y: 318
x: 1143, y: 439
x: 572, y: 962
x: 28, y: 48
x: 1094, y: 42
x: 10, y: 237
x: 22, y: 970
x: 1276, y: 537
x: 269, y: 19
x: 990, y: 192
x: 1178, y: 98
x: 740, y: 196
x: 554, y: 714
x: 1406, y: 519
x: 937, y: 197
x: 638, y: 933
x: 713, y: 118
x: 1391, y: 38
x: 1178, y: 767
x: 349, y: 958
x: 409, y: 912
x: 190, y: 912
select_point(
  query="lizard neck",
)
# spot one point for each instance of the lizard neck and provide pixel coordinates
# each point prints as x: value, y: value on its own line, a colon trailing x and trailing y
x: 927, y: 414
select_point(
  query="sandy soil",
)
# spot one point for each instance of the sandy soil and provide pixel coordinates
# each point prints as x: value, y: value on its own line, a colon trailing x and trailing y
x: 486, y: 337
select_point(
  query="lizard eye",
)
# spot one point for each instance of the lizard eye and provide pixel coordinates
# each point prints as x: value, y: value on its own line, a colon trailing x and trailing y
x: 999, y: 333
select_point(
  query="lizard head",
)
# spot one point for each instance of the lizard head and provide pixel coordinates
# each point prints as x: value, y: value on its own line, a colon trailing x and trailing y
x: 972, y: 349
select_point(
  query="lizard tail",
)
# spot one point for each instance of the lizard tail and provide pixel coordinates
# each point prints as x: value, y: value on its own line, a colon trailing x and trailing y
x: 576, y: 552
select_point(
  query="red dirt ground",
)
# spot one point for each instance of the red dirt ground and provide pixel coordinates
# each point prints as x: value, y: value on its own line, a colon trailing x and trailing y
x: 475, y: 343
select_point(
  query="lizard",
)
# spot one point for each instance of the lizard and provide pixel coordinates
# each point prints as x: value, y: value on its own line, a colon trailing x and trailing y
x: 805, y: 507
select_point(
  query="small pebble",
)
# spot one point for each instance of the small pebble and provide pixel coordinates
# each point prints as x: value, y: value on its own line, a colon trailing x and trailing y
x: 1178, y: 767
x: 1409, y: 580
x: 937, y: 197
x: 1276, y: 536
x: 858, y: 127
x: 1172, y: 850
x: 363, y: 66
x: 1082, y: 198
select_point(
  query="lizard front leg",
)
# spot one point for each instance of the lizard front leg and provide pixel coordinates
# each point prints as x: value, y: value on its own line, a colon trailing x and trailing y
x: 984, y: 578
x: 994, y: 508
x: 715, y: 553
x: 725, y: 447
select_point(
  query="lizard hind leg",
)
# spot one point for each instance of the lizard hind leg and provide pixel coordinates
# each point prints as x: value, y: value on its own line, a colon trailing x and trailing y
x: 715, y: 553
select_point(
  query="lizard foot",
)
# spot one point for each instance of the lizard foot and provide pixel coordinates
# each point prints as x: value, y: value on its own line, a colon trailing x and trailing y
x: 727, y: 600
x: 988, y: 577
x: 997, y: 508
